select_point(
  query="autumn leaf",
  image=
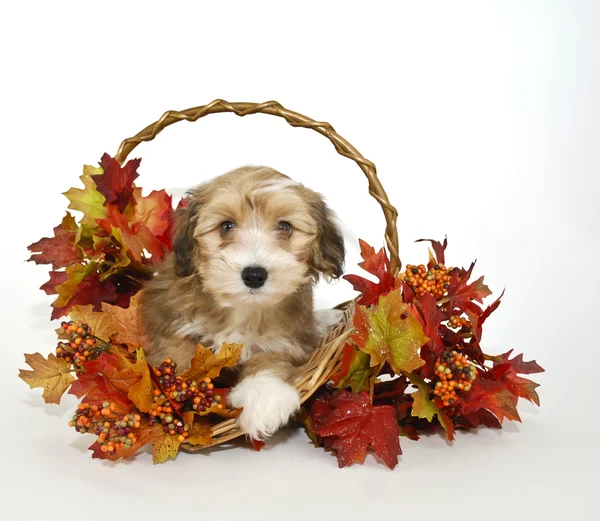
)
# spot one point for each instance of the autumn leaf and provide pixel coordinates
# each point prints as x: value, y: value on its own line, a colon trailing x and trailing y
x: 89, y: 201
x: 376, y: 264
x: 114, y: 323
x: 60, y: 250
x: 438, y: 248
x: 115, y: 182
x: 56, y: 279
x: 491, y: 395
x: 354, y: 425
x: 390, y: 334
x: 154, y: 211
x: 164, y: 445
x: 81, y: 288
x: 205, y: 364
x: 461, y: 294
x: 111, y: 375
x: 422, y: 407
x: 507, y: 371
x: 446, y: 423
x: 52, y: 374
x: 200, y: 431
x: 141, y: 392
x: 135, y: 237
x: 355, y: 370
x: 432, y: 316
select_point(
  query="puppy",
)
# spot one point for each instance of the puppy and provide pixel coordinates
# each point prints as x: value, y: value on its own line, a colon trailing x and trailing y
x: 247, y: 251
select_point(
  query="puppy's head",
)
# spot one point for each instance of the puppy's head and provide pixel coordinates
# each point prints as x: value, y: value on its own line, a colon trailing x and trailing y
x: 254, y: 236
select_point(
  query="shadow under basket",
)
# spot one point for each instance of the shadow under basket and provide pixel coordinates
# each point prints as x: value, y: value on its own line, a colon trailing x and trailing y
x: 325, y: 359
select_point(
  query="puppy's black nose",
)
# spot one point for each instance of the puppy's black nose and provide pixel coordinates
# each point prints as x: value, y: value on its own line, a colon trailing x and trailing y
x: 254, y: 277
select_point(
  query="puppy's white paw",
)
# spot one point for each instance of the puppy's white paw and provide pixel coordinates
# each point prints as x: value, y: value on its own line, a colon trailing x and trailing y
x: 326, y: 319
x: 268, y: 404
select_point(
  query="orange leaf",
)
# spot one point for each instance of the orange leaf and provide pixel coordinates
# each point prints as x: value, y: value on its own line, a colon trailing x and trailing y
x: 141, y: 393
x: 205, y: 364
x: 53, y: 375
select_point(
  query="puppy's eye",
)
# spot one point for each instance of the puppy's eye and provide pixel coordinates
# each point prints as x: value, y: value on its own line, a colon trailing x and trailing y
x: 284, y: 226
x: 226, y: 226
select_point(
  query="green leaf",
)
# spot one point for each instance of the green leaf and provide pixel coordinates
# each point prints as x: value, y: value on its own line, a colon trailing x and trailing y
x: 422, y: 406
x: 390, y: 334
x: 355, y: 371
x: 88, y: 201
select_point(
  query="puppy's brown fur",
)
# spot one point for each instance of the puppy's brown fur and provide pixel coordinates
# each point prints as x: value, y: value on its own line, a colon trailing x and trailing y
x: 197, y: 295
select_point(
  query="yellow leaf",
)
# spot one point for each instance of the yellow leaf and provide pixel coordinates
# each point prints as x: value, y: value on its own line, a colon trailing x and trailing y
x: 205, y: 364
x: 53, y: 375
x: 141, y: 393
x: 164, y: 445
x: 200, y: 430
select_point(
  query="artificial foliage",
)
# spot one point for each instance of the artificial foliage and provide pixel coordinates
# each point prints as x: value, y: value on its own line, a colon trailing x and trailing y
x: 413, y: 364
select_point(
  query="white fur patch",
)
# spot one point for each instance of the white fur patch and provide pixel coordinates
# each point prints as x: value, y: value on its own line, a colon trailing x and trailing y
x: 277, y: 185
x: 268, y: 404
x: 326, y: 319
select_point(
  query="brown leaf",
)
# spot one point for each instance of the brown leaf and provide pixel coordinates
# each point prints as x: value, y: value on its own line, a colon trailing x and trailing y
x: 113, y: 323
x: 53, y: 375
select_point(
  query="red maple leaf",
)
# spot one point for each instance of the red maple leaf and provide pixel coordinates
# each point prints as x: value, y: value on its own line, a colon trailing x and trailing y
x: 491, y: 395
x: 376, y: 264
x: 507, y: 371
x: 60, y: 250
x: 56, y: 278
x: 354, y: 425
x: 432, y: 316
x: 478, y: 320
x: 462, y: 294
x: 438, y: 248
x: 116, y: 182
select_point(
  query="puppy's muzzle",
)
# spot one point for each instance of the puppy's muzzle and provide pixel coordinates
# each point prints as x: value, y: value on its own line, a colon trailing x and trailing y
x: 254, y: 276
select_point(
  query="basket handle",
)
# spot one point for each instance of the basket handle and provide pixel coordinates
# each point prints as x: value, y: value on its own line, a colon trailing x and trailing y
x: 296, y: 120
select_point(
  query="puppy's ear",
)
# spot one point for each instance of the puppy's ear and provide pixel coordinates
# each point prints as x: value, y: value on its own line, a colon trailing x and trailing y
x: 184, y: 243
x: 328, y: 250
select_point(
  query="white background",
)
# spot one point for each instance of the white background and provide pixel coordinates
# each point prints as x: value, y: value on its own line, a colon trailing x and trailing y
x: 484, y: 121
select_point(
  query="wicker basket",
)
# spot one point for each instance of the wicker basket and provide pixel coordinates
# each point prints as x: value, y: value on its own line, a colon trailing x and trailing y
x: 326, y: 357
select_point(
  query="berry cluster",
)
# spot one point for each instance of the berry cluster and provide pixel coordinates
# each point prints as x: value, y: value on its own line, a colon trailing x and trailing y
x: 81, y: 343
x: 114, y: 431
x: 452, y: 372
x: 165, y: 415
x: 198, y: 396
x: 459, y: 322
x: 434, y: 281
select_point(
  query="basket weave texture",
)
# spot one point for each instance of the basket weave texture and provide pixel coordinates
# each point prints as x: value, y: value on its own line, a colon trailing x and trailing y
x: 326, y: 357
